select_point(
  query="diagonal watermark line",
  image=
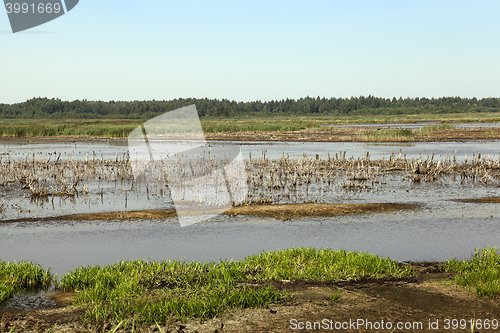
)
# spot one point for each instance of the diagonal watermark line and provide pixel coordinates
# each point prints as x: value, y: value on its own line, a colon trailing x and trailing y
x: 63, y: 3
x: 203, y: 181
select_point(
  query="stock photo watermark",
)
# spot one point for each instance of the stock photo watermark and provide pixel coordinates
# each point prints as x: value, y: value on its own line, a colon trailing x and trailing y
x: 365, y: 324
x: 171, y: 151
x: 27, y: 14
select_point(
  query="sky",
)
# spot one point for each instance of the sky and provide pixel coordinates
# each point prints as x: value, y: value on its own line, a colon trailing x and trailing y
x: 255, y: 50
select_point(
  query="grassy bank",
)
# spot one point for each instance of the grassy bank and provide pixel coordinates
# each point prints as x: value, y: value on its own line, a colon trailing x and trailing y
x: 134, y: 294
x: 21, y: 276
x: 122, y: 127
x: 142, y: 292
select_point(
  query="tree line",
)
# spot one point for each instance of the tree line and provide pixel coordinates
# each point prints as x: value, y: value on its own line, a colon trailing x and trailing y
x: 45, y: 108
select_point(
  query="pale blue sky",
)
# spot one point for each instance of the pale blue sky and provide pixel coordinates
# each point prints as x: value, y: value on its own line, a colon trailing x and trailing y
x: 255, y: 50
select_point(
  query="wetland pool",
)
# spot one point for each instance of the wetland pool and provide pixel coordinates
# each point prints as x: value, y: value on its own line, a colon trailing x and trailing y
x: 440, y: 229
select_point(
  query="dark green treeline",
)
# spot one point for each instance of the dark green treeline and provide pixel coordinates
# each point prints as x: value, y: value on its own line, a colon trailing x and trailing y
x: 38, y: 108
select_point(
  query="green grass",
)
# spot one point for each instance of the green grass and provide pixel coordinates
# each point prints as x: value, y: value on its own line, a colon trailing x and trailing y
x: 239, y: 126
x: 390, y: 134
x: 123, y: 127
x: 22, y: 276
x: 469, y: 117
x: 141, y: 293
x: 152, y: 292
x: 287, y: 123
x: 43, y: 128
x: 480, y: 274
x: 319, y: 265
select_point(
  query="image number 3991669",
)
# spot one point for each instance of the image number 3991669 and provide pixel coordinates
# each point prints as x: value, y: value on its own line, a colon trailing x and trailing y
x: 27, y: 14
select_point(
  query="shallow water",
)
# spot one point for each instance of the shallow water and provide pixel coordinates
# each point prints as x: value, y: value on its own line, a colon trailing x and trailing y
x: 441, y: 229
x: 401, y: 236
x: 111, y: 149
x: 28, y: 301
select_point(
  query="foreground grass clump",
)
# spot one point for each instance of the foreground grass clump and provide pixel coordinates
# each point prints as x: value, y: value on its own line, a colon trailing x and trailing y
x: 154, y: 291
x: 21, y: 276
x: 320, y: 265
x: 481, y: 273
x: 142, y: 293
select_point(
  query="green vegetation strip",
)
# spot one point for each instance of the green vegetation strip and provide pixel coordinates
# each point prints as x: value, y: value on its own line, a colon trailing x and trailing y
x: 137, y: 293
x: 481, y: 273
x: 21, y: 276
x: 144, y: 292
x: 120, y: 128
x: 404, y: 134
x: 46, y: 128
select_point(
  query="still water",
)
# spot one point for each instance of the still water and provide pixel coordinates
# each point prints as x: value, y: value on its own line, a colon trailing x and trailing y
x: 80, y: 149
x: 440, y: 229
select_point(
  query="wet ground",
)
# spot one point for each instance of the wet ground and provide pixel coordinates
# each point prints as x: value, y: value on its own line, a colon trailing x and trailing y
x: 426, y: 302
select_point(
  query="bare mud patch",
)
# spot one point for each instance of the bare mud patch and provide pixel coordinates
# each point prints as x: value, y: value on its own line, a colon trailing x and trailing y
x: 480, y: 200
x: 278, y: 211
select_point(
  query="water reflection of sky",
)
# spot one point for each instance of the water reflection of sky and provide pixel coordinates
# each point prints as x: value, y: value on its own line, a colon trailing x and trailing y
x: 401, y: 236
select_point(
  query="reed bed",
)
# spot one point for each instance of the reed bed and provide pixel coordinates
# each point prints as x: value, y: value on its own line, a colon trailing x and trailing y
x: 300, y: 179
x: 20, y: 276
x: 269, y: 181
x: 51, y: 176
x: 142, y: 293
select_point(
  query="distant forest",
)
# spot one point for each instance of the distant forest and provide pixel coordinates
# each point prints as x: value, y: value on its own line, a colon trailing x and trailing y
x: 38, y: 108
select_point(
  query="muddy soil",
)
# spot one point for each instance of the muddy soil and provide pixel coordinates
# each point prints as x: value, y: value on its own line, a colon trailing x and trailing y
x: 289, y: 211
x: 480, y: 200
x: 281, y: 211
x: 427, y: 297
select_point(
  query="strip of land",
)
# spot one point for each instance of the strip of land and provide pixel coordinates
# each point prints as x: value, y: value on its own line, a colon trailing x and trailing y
x: 281, y: 211
x: 331, y: 134
x: 356, y: 134
x: 480, y: 200
x: 289, y: 211
x: 300, y: 128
